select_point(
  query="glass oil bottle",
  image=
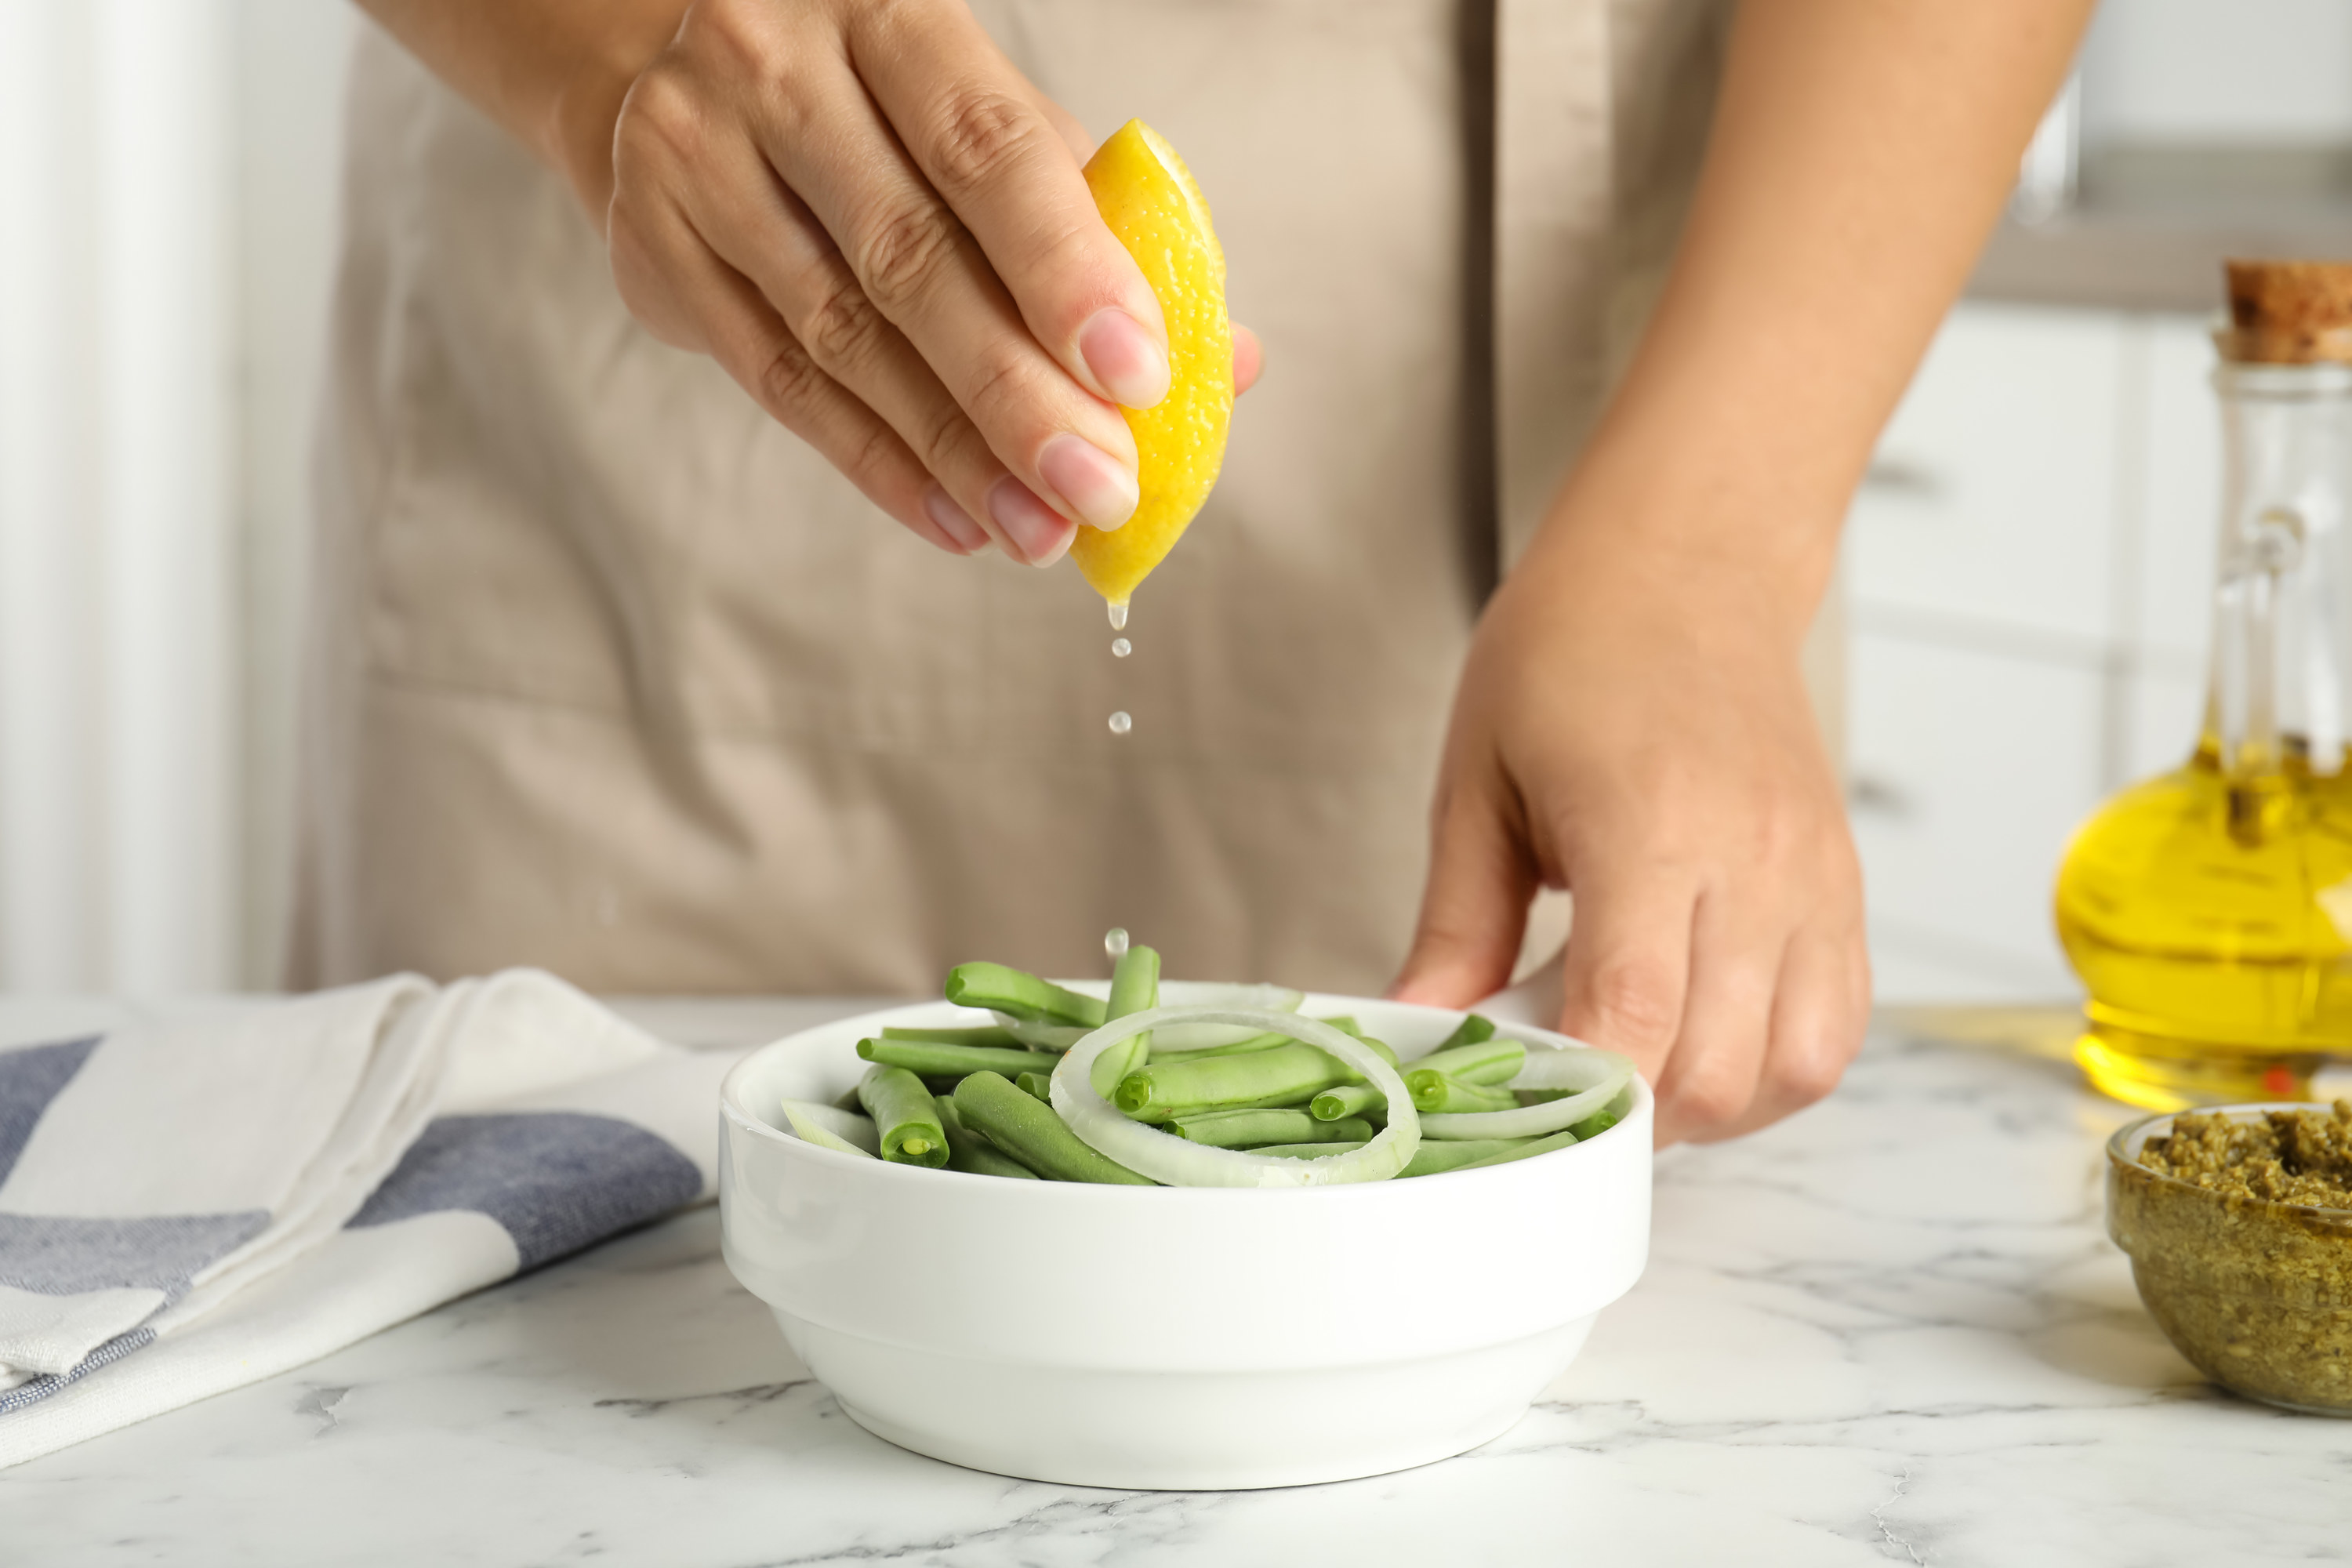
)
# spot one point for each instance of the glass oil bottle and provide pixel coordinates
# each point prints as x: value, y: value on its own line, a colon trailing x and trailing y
x: 2208, y: 911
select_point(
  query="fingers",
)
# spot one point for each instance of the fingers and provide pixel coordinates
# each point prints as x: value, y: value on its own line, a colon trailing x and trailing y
x: 1627, y: 973
x: 977, y: 131
x: 923, y: 271
x: 1249, y: 359
x: 768, y: 235
x: 1710, y: 1080
x: 1820, y: 1014
x: 1768, y: 1028
x: 1474, y: 907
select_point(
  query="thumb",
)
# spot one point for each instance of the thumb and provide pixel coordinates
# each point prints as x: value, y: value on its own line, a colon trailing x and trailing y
x: 1474, y: 909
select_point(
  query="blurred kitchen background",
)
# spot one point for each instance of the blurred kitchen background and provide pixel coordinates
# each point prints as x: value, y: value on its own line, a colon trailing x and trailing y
x: 2027, y: 563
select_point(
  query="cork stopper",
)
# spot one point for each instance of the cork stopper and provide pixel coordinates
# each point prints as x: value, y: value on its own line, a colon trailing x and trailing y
x: 2289, y: 312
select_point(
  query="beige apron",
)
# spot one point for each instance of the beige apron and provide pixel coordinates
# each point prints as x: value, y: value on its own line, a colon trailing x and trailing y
x: 612, y: 675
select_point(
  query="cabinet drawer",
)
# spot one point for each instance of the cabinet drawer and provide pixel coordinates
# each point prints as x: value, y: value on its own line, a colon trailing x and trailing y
x: 1969, y: 772
x: 1992, y: 498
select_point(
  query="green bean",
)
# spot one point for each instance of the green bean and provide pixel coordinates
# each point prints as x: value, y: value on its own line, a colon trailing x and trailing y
x: 1036, y: 1086
x: 1033, y: 1135
x: 1289, y: 1075
x: 1306, y: 1150
x: 1247, y: 1128
x: 1439, y: 1154
x: 905, y: 1115
x: 985, y: 1035
x: 969, y: 1151
x: 1602, y: 1119
x: 1473, y: 1030
x: 1265, y: 1042
x: 1434, y: 1091
x: 954, y: 1061
x: 1349, y: 1099
x: 1020, y: 995
x: 1134, y: 988
x: 1489, y: 1062
x: 1526, y: 1151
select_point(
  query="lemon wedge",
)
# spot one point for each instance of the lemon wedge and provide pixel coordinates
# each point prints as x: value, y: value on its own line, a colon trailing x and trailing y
x: 1149, y: 200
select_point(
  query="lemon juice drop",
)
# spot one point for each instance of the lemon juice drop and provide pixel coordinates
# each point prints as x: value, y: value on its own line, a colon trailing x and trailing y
x: 1115, y: 943
x: 1120, y: 723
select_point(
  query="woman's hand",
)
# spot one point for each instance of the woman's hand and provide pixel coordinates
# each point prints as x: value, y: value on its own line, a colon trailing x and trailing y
x: 1645, y: 740
x: 863, y: 212
x: 880, y: 229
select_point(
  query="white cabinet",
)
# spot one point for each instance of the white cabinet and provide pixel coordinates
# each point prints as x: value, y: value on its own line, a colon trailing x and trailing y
x: 2030, y: 563
x: 1992, y: 496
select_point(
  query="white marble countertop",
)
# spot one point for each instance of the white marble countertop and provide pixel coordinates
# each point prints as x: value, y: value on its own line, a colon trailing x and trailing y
x: 1891, y: 1330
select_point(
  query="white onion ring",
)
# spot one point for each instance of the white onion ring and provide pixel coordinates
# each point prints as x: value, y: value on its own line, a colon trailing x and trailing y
x: 1175, y: 994
x: 1599, y: 1076
x: 1179, y: 1163
x: 830, y: 1127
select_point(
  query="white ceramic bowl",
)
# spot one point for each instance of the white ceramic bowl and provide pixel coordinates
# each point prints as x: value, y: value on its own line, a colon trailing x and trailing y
x: 1173, y: 1338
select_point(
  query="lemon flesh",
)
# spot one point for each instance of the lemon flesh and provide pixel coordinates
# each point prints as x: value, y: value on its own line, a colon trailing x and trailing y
x: 1148, y: 197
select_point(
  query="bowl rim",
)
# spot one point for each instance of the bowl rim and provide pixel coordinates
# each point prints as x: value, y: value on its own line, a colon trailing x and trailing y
x: 2134, y: 1133
x: 736, y: 1110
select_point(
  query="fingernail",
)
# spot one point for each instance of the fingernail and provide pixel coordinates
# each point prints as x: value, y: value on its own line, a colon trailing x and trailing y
x: 953, y: 520
x: 1131, y: 367
x: 1095, y: 484
x: 1036, y: 529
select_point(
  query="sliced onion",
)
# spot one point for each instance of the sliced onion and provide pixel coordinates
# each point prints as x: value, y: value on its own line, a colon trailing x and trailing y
x: 830, y: 1127
x: 1172, y: 994
x: 1176, y: 1162
x: 1598, y: 1075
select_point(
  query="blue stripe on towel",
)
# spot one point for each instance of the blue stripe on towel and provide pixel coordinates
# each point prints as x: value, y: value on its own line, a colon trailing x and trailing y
x: 556, y: 1181
x: 29, y: 1080
x: 57, y: 1256
x: 41, y: 1387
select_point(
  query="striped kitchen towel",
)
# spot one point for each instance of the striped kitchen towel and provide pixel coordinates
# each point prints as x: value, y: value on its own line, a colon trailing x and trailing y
x: 187, y: 1207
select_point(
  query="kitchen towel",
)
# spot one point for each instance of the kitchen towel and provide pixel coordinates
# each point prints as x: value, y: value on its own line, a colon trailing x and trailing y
x: 187, y: 1207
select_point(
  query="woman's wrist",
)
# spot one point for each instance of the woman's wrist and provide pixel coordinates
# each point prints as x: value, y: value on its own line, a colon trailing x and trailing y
x: 577, y: 127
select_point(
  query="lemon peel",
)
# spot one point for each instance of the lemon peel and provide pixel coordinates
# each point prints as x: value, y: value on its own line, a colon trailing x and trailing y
x: 1152, y: 203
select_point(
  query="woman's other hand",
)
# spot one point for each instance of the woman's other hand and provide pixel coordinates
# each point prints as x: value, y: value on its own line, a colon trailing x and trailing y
x: 1643, y: 738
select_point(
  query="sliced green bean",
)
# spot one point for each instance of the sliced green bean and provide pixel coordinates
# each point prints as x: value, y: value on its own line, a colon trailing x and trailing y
x: 1473, y: 1030
x: 1265, y: 1042
x: 1524, y: 1151
x: 1434, y: 1091
x: 969, y: 1151
x: 981, y: 1035
x: 1288, y: 1075
x: 1248, y: 1128
x: 1036, y: 1086
x: 1306, y: 1150
x: 955, y: 1061
x: 1488, y: 1062
x: 1438, y: 1155
x: 1020, y: 994
x: 1602, y: 1119
x: 905, y: 1115
x: 1033, y: 1135
x: 1134, y: 988
x: 1349, y: 1099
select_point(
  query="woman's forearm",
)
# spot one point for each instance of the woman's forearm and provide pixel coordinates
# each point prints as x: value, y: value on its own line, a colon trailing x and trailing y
x: 552, y: 72
x: 1861, y: 152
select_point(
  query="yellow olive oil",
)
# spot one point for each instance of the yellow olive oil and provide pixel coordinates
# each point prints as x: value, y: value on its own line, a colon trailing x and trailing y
x: 2208, y: 918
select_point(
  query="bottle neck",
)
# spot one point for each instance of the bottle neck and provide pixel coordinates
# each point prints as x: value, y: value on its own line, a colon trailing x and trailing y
x: 2281, y: 648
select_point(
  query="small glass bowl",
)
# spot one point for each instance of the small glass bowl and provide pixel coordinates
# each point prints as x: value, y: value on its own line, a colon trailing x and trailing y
x: 2256, y: 1294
